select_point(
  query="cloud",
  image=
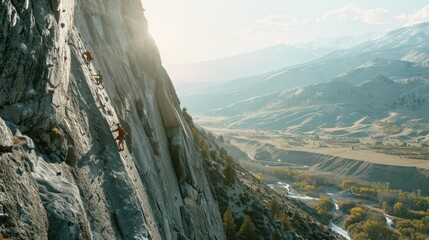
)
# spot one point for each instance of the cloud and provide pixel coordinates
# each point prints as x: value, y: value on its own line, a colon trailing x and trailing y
x: 246, y: 34
x: 266, y: 26
x: 279, y: 21
x: 352, y: 12
x: 421, y: 15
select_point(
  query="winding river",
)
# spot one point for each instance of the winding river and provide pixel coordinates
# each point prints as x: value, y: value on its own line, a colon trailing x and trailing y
x: 339, y: 230
x: 292, y: 193
x: 389, y: 221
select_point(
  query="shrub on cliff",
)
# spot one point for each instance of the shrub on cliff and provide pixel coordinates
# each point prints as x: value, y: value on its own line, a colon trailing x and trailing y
x: 229, y: 225
x: 247, y: 230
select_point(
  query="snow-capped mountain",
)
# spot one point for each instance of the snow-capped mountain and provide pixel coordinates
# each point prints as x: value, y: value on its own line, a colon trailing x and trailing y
x: 398, y: 54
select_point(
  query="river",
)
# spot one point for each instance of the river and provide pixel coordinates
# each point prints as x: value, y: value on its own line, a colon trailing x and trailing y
x: 389, y: 221
x: 339, y: 230
x: 292, y: 193
x: 335, y: 227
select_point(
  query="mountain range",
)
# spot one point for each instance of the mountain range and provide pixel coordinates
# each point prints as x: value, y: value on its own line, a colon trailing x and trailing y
x: 195, y: 77
x: 385, y: 76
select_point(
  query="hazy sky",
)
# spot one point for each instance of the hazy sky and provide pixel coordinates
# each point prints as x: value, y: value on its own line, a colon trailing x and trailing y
x: 196, y: 30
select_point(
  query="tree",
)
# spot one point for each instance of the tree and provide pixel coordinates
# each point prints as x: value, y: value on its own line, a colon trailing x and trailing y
x: 297, y: 218
x: 286, y: 222
x: 349, y: 184
x: 324, y: 207
x: 309, y: 188
x: 385, y: 206
x: 274, y: 206
x: 229, y: 171
x: 229, y: 225
x: 399, y: 209
x: 247, y: 230
x: 357, y: 214
x: 346, y: 206
x: 377, y: 230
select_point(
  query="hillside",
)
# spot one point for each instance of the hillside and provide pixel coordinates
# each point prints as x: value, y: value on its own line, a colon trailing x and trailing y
x: 337, y: 106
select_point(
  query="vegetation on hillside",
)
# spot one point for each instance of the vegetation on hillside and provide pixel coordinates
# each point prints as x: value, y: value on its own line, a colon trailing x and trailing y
x: 411, y: 209
x: 409, y: 205
x: 365, y: 223
x: 371, y: 229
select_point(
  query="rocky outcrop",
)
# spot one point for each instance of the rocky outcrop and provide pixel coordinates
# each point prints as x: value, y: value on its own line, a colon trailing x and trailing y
x: 22, y: 213
x: 62, y: 176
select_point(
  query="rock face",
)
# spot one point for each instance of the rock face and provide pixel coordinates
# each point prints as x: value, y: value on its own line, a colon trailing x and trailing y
x: 64, y: 177
x: 6, y: 143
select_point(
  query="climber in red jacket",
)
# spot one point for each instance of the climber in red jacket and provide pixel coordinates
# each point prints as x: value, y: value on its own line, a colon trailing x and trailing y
x: 121, y: 136
x: 87, y: 57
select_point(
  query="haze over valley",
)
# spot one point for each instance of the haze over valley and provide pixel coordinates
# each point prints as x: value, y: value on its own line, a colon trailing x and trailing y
x: 357, y: 114
x: 378, y: 88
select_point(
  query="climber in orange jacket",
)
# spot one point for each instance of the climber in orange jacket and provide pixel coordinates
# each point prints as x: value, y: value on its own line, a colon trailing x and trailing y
x: 121, y: 136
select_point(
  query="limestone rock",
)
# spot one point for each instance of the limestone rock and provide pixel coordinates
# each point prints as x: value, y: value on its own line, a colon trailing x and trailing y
x: 63, y: 121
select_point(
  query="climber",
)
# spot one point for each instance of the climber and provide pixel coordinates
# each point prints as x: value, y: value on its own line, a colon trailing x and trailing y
x: 121, y: 136
x: 87, y: 57
x: 98, y: 78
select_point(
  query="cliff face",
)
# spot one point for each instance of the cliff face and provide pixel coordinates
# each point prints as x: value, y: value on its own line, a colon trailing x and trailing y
x: 62, y: 176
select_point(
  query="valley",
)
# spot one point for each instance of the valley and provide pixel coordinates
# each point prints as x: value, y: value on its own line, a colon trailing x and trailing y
x: 364, y: 158
x: 374, y: 178
x: 347, y: 134
x: 374, y: 150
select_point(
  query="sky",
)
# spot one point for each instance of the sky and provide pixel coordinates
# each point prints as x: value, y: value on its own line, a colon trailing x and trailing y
x: 190, y: 31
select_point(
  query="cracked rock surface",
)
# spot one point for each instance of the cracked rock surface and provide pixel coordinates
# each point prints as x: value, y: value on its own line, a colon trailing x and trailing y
x: 62, y: 176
